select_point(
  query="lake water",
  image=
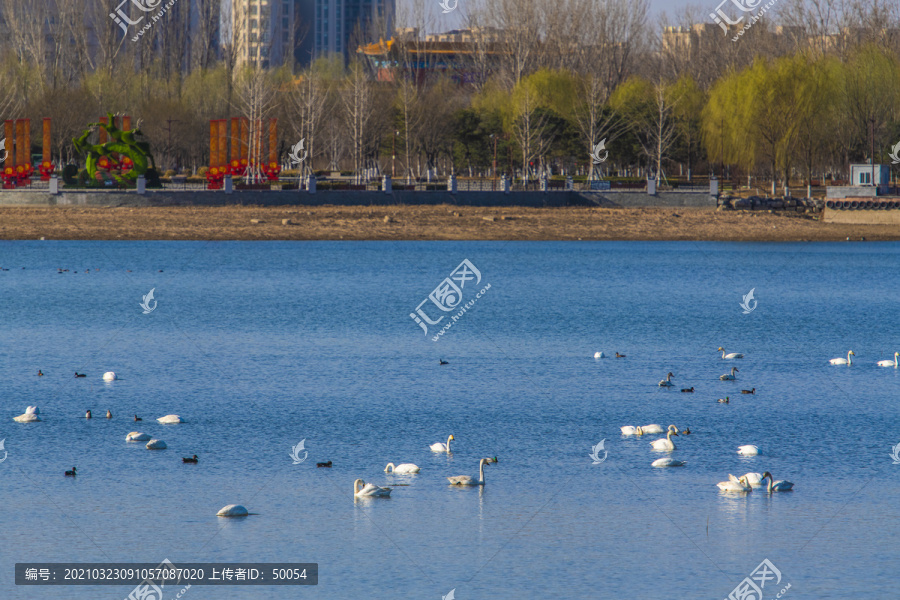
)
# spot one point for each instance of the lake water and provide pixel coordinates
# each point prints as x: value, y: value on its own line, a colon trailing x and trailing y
x: 261, y: 345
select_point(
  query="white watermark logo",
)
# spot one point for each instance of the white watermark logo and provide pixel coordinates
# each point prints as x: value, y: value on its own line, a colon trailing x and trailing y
x: 751, y: 588
x: 5, y: 153
x: 165, y: 573
x: 146, y: 303
x: 748, y: 298
x: 895, y: 154
x: 595, y: 453
x: 120, y: 16
x: 721, y: 17
x: 296, y: 450
x: 296, y: 159
x: 448, y: 295
x: 445, y: 4
x: 5, y: 453
x: 450, y: 596
x: 895, y: 455
x: 600, y: 147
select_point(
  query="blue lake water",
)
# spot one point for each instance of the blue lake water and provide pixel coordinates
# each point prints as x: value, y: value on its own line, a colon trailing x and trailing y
x: 261, y: 345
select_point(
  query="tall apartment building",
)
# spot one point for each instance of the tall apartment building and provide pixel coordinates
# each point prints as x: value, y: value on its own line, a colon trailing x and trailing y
x: 340, y: 26
x: 276, y: 32
x: 263, y: 31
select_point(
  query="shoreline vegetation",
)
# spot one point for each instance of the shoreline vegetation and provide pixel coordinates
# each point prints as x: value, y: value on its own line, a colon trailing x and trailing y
x: 407, y: 222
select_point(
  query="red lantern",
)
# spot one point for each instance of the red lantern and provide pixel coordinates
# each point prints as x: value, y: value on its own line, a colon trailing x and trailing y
x: 214, y: 178
x: 9, y: 178
x: 46, y: 169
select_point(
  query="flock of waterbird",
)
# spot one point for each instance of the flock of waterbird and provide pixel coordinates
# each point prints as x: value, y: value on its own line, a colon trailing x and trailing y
x: 745, y: 483
x: 748, y: 481
x: 32, y: 415
x: 361, y: 489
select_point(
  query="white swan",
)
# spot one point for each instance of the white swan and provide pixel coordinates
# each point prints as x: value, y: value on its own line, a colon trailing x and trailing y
x: 777, y: 486
x: 665, y: 443
x: 232, y: 510
x: 748, y: 450
x: 727, y: 377
x: 156, y: 445
x: 170, y: 419
x: 843, y: 361
x: 632, y: 430
x: 667, y: 462
x: 734, y: 484
x: 599, y: 355
x: 137, y: 436
x: 729, y: 356
x: 652, y: 428
x: 442, y: 447
x: 754, y: 479
x: 402, y: 469
x: 29, y: 416
x: 890, y: 363
x: 466, y: 480
x: 369, y: 490
x: 667, y: 381
x: 109, y: 376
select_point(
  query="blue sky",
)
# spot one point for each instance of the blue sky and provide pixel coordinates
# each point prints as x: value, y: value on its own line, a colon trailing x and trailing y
x: 673, y: 6
x: 445, y: 22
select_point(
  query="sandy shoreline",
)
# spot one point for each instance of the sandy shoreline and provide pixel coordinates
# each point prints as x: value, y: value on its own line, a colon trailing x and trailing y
x: 442, y: 222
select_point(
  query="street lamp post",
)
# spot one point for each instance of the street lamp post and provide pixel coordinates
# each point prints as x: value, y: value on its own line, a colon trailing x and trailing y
x: 872, y: 121
x: 393, y: 152
x: 494, y: 164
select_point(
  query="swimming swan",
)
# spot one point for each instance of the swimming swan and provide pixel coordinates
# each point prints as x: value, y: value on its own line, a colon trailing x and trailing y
x: 156, y: 445
x: 232, y: 510
x: 754, y: 479
x: 170, y: 419
x: 727, y: 377
x: 734, y: 484
x: 777, y: 486
x: 466, y: 480
x: 653, y: 428
x: 890, y: 363
x: 667, y: 381
x: 729, y: 356
x: 843, y: 361
x: 109, y: 376
x: 667, y: 462
x: 441, y: 447
x: 632, y: 430
x: 369, y: 490
x: 403, y: 469
x: 665, y: 443
x: 599, y: 355
x: 29, y: 416
x: 137, y: 436
x: 748, y: 450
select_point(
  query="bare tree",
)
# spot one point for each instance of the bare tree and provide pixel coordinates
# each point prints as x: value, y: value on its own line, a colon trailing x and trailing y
x: 311, y: 99
x: 356, y: 99
x: 605, y: 57
x: 518, y: 25
x: 205, y: 34
x: 529, y: 126
x: 255, y: 95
